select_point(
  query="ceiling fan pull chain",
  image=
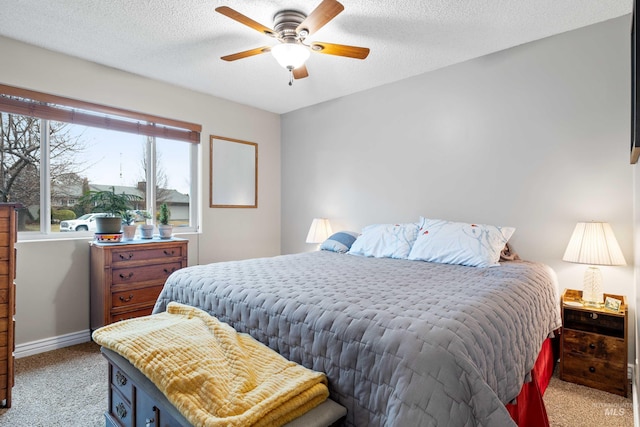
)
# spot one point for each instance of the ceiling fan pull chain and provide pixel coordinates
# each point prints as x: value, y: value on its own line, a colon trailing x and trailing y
x: 290, y: 76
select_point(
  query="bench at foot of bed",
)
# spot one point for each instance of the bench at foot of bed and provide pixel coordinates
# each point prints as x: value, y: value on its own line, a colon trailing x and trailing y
x: 134, y: 401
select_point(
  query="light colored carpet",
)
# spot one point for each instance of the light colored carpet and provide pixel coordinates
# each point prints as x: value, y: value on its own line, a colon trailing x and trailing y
x: 571, y: 405
x: 65, y: 387
x: 68, y: 387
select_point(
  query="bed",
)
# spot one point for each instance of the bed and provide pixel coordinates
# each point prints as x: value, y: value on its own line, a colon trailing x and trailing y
x: 402, y: 342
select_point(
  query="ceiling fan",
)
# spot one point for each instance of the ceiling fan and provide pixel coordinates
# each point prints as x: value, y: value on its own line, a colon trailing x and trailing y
x: 291, y: 28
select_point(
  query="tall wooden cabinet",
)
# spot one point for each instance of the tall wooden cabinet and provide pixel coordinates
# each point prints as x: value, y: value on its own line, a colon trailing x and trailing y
x: 126, y: 278
x: 8, y: 237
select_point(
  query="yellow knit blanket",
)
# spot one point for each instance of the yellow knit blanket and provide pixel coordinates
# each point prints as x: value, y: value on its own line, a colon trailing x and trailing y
x: 213, y: 375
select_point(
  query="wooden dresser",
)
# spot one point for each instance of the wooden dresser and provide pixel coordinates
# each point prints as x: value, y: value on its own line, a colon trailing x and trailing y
x: 593, y: 344
x: 126, y: 278
x: 8, y: 237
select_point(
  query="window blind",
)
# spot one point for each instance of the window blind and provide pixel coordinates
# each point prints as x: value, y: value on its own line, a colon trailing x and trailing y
x: 52, y: 107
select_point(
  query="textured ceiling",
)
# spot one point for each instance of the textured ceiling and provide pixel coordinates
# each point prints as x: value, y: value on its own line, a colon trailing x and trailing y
x: 181, y: 41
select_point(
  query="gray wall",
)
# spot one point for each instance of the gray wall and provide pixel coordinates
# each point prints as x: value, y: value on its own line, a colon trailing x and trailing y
x: 53, y: 276
x: 535, y: 137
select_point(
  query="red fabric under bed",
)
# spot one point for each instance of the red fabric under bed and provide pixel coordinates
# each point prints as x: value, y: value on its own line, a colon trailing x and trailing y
x: 528, y: 410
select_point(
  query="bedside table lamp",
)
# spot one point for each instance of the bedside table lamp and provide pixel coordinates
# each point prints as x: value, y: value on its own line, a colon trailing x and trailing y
x: 319, y: 231
x: 593, y: 243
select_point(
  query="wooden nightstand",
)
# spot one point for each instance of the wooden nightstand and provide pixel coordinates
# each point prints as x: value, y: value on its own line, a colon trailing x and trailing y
x: 593, y: 345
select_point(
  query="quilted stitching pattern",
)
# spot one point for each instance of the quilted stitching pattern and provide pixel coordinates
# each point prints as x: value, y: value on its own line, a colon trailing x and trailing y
x: 402, y: 342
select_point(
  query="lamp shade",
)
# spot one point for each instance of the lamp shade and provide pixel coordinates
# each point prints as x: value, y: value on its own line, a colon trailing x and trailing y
x: 594, y: 243
x: 319, y: 231
x: 290, y: 55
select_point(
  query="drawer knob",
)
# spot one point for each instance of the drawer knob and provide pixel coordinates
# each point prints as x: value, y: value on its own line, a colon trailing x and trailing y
x: 152, y: 421
x: 592, y: 346
x: 127, y: 277
x: 127, y: 256
x: 127, y: 299
x: 121, y: 380
x: 121, y: 411
x: 594, y: 316
x: 169, y: 253
x: 592, y: 369
x: 169, y: 271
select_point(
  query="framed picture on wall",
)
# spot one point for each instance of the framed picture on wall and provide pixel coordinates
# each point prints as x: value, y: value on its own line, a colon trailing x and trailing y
x: 233, y: 173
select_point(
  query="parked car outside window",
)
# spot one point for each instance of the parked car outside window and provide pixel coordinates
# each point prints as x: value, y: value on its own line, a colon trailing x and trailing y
x: 86, y: 222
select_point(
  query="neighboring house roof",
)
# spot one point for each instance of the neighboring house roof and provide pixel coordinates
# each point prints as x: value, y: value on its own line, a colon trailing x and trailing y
x: 169, y: 196
x: 118, y: 189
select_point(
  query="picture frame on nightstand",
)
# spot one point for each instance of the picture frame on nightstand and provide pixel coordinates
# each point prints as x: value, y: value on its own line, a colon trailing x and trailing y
x: 612, y: 304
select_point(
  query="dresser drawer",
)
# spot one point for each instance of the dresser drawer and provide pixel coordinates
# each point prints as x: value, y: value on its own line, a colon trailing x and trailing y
x: 142, y: 254
x: 120, y: 409
x: 131, y: 314
x: 594, y: 345
x: 157, y: 273
x: 121, y: 382
x: 135, y: 296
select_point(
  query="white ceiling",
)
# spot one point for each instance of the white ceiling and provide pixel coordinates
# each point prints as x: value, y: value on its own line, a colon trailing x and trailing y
x: 181, y: 41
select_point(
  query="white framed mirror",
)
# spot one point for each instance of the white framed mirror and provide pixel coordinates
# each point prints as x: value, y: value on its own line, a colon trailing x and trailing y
x: 233, y: 173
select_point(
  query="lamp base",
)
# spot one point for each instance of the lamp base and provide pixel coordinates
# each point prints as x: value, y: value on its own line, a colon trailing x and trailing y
x: 592, y: 288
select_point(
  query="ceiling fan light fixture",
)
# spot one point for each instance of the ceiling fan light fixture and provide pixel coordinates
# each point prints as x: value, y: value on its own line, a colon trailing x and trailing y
x: 290, y: 55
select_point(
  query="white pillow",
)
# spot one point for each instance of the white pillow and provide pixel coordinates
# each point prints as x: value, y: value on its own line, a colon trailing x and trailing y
x: 447, y: 242
x: 385, y: 240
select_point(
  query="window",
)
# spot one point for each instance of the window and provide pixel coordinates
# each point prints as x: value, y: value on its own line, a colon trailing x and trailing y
x: 53, y: 150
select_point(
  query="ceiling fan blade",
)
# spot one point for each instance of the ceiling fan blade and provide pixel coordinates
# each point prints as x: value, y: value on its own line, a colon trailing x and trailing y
x: 300, y: 72
x: 325, y: 12
x: 340, y: 50
x: 247, y: 53
x: 237, y: 16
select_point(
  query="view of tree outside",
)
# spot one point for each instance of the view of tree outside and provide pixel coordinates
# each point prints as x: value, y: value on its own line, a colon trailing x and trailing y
x: 85, y: 158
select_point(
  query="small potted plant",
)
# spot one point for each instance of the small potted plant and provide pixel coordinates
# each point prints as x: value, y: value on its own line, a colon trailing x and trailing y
x: 128, y: 225
x: 146, y: 229
x: 164, y: 228
x: 114, y: 205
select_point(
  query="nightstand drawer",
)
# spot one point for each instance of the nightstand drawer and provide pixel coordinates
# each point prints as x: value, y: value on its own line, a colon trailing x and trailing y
x: 590, y: 321
x: 596, y: 373
x: 602, y: 347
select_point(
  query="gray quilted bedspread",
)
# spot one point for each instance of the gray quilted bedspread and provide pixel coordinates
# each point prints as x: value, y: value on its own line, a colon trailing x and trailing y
x: 403, y: 343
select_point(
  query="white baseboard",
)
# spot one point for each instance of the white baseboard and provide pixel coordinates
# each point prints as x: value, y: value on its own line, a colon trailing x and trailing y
x: 53, y: 343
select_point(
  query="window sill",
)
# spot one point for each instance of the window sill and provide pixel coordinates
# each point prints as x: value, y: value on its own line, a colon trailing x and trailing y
x: 32, y: 237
